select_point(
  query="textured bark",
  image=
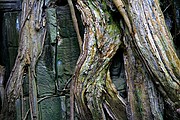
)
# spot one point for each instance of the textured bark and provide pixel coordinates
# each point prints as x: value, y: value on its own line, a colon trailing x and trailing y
x: 151, y: 65
x: 96, y: 96
x: 153, y: 44
x: 32, y: 35
x: 144, y: 101
x: 152, y: 68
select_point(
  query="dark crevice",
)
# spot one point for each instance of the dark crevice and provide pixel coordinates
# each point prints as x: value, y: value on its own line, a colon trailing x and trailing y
x: 61, y: 2
x: 4, y: 59
x: 117, y: 73
x: 171, y: 11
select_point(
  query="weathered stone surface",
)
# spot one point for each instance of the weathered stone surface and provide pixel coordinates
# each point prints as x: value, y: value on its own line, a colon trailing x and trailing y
x: 12, y: 20
x: 9, y: 42
x: 65, y: 23
x: 26, y: 108
x: 50, y: 109
x: 68, y: 50
x: 51, y: 23
x: 45, y: 74
x: 45, y: 81
x: 22, y: 110
x: 9, y: 5
x: 18, y: 109
x: 25, y: 85
x: 12, y: 55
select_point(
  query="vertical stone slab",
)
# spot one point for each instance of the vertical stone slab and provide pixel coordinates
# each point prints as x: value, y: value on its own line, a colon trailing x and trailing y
x: 12, y: 55
x: 67, y: 54
x: 18, y: 109
x: 51, y: 24
x: 45, y: 73
x: 68, y: 50
x: 10, y: 39
x: 22, y: 109
x: 10, y: 5
x: 26, y: 109
x: 12, y: 24
x: 50, y: 109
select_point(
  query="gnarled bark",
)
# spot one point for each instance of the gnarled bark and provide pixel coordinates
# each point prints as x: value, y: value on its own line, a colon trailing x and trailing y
x: 95, y: 94
x: 151, y: 65
x: 32, y: 35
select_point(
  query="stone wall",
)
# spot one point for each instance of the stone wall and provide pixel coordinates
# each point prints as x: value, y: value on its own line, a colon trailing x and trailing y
x: 54, y: 68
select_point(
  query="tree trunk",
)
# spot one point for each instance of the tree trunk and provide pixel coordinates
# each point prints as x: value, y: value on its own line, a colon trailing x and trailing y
x: 32, y: 36
x: 94, y: 92
x: 151, y: 65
